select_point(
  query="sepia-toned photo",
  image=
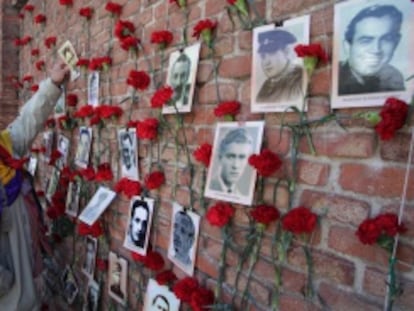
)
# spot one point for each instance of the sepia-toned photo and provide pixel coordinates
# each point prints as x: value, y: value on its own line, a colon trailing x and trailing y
x: 91, y: 300
x: 97, y: 205
x: 68, y: 54
x: 230, y: 178
x: 182, y: 250
x: 139, y: 224
x: 159, y: 297
x: 93, y: 88
x: 48, y: 143
x: 118, y: 271
x: 84, y: 147
x: 182, y: 72
x: 72, y: 198
x: 60, y: 107
x: 127, y: 141
x: 278, y: 75
x: 52, y: 183
x: 88, y: 267
x: 32, y: 165
x: 63, y: 147
x: 69, y: 285
x: 372, y: 52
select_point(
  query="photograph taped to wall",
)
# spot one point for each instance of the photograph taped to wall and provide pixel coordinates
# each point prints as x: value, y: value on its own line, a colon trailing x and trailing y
x: 91, y: 299
x: 182, y: 249
x: 69, y: 285
x: 372, y: 52
x: 97, y: 205
x: 127, y: 142
x: 118, y: 271
x: 63, y: 147
x: 84, y: 147
x: 230, y: 178
x: 68, y: 54
x: 72, y: 198
x: 139, y: 224
x: 182, y: 72
x: 278, y: 75
x: 60, y: 107
x: 159, y: 297
x: 93, y: 88
x: 52, y: 183
x: 91, y: 247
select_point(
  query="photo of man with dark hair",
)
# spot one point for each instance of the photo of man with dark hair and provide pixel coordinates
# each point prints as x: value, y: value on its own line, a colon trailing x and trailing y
x: 84, y: 146
x: 90, y: 256
x: 117, y: 278
x: 127, y: 141
x: 160, y: 298
x: 160, y: 303
x: 91, y: 302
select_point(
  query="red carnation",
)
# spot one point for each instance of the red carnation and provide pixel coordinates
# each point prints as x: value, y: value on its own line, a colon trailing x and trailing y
x: 314, y: 50
x: 95, y: 230
x: 137, y: 257
x: 40, y: 19
x: 220, y: 214
x: 393, y: 116
x: 50, y: 42
x: 114, y: 8
x: 147, y: 129
x: 180, y: 3
x: 229, y: 108
x: 139, y: 80
x: 204, y: 28
x: 368, y: 231
x: 35, y: 52
x: 100, y: 63
x: 34, y: 88
x: 163, y: 38
x: 185, y: 287
x: 25, y: 40
x: 265, y: 214
x: 161, y: 97
x: 86, y: 12
x: 201, y: 298
x: 29, y: 8
x: 154, y: 261
x: 154, y: 180
x: 66, y: 2
x: 104, y: 172
x: 128, y: 187
x: 107, y: 111
x: 300, y: 220
x: 83, y: 63
x: 101, y: 264
x: 130, y: 43
x: 40, y: 193
x: 266, y: 163
x: 388, y: 223
x: 54, y: 156
x: 27, y: 78
x: 40, y: 65
x: 17, y: 42
x: 124, y: 29
x: 87, y: 173
x: 71, y: 100
x: 203, y: 154
x: 84, y: 111
x: 132, y: 124
x: 165, y: 277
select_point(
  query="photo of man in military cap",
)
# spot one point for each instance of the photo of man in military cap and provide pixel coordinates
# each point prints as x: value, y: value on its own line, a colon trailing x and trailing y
x: 278, y: 77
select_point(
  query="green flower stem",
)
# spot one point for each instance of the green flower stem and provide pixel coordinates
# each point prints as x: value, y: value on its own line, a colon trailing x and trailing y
x: 393, y: 289
x: 149, y: 64
x: 222, y: 263
x: 260, y: 19
x: 212, y: 55
x: 203, y: 185
x: 150, y: 156
x: 309, y: 289
x: 260, y: 189
x: 133, y: 105
x: 186, y: 15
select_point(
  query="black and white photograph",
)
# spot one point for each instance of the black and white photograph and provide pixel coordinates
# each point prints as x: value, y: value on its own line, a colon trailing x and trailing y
x: 68, y: 54
x: 230, y: 178
x: 139, y: 224
x: 182, y: 72
x: 48, y: 143
x: 117, y: 284
x: 60, y: 107
x: 372, y: 52
x: 63, y: 147
x: 88, y: 267
x: 91, y: 302
x: 69, y: 285
x: 84, y: 147
x: 52, y: 183
x: 182, y: 250
x: 160, y: 298
x: 93, y: 88
x: 32, y: 165
x: 97, y: 205
x: 127, y: 141
x: 278, y: 75
x: 72, y: 198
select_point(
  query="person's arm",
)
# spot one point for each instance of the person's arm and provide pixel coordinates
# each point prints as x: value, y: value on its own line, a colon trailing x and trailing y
x: 35, y: 112
x: 6, y: 280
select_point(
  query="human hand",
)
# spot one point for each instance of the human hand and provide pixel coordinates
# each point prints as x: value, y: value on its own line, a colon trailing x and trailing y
x: 60, y: 73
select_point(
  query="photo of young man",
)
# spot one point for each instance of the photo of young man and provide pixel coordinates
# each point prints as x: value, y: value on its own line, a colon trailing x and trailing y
x: 84, y: 146
x: 90, y: 256
x: 127, y: 141
x: 117, y: 285
x: 160, y: 298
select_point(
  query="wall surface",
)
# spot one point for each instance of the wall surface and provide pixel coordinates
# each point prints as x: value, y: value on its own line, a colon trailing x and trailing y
x: 352, y: 176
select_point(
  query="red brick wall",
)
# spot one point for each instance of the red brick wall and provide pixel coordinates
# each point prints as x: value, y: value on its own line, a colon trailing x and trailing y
x: 353, y: 175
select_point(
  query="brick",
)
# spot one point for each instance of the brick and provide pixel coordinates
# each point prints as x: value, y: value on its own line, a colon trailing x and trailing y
x: 386, y: 182
x: 290, y: 302
x: 396, y: 149
x: 313, y: 173
x: 236, y: 67
x: 374, y: 282
x: 208, y: 93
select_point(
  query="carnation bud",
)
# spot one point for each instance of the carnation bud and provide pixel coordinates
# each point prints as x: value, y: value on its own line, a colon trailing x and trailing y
x: 372, y: 117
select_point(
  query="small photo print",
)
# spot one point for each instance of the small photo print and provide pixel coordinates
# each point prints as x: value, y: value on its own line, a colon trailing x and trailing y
x: 68, y: 54
x: 91, y: 301
x: 88, y: 267
x: 159, y: 297
x: 372, y: 52
x: 127, y: 141
x: 230, y: 178
x: 69, y: 285
x: 52, y: 183
x: 32, y: 165
x: 182, y: 72
x: 48, y: 143
x: 72, y: 199
x: 182, y: 249
x: 93, y: 88
x: 97, y: 205
x: 63, y: 147
x: 139, y: 224
x: 84, y: 147
x: 118, y: 271
x: 278, y: 75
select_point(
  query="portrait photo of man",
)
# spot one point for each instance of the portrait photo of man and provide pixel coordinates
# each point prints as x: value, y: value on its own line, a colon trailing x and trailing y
x: 371, y: 52
x: 84, y: 146
x: 230, y: 178
x: 127, y: 141
x: 63, y: 147
x: 90, y: 256
x: 160, y: 298
x: 278, y: 76
x: 93, y: 88
x: 52, y: 184
x: 91, y: 301
x: 68, y: 54
x: 183, y: 238
x: 97, y: 205
x: 138, y: 230
x: 117, y: 286
x: 182, y: 70
x: 72, y: 198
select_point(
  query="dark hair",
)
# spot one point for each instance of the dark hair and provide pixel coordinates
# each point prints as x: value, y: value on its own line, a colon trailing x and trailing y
x: 238, y: 135
x: 162, y: 298
x: 126, y: 136
x: 185, y: 215
x: 183, y: 58
x: 376, y: 11
x: 139, y: 204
